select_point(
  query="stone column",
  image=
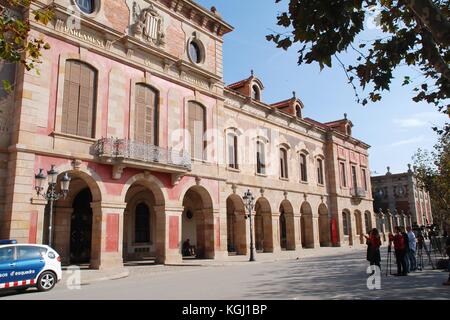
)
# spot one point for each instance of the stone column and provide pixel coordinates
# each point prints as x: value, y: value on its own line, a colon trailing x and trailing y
x: 315, y: 230
x: 107, y: 235
x: 298, y: 232
x: 242, y: 233
x: 168, y: 235
x: 39, y: 210
x: 337, y: 217
x: 353, y: 238
x: 220, y: 251
x: 268, y: 244
x: 276, y: 232
x: 290, y: 231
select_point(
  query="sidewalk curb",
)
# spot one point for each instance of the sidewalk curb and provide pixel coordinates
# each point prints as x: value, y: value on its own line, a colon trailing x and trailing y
x: 116, y: 276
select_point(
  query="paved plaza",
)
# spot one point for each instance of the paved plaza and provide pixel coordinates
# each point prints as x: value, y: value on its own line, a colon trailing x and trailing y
x: 338, y: 276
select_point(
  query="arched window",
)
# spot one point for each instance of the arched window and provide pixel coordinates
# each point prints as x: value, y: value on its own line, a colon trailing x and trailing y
x: 197, y: 129
x: 283, y: 163
x: 142, y: 224
x: 195, y: 52
x: 86, y: 6
x: 232, y: 141
x: 320, y: 178
x: 146, y: 122
x: 260, y: 158
x: 368, y: 221
x: 256, y: 93
x: 79, y: 99
x: 298, y: 111
x: 345, y: 223
x: 303, y: 168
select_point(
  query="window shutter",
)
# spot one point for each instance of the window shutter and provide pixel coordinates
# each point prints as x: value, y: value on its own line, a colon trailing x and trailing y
x: 78, y: 111
x: 196, y: 128
x: 146, y: 119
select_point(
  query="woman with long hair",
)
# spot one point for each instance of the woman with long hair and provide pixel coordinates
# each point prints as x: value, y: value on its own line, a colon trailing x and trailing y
x: 373, y: 242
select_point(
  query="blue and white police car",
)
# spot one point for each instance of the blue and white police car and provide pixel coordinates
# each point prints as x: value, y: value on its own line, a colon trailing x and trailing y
x: 28, y: 265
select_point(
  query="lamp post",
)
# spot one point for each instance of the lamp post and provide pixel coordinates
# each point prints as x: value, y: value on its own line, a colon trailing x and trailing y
x: 51, y: 195
x: 249, y: 205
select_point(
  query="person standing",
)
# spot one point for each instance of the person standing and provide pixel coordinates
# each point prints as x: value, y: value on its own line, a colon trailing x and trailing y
x: 373, y: 248
x: 447, y: 244
x: 399, y: 247
x: 406, y: 241
x: 412, y: 249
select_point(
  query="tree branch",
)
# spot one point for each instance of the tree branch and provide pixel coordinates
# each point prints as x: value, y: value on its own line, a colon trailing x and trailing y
x: 432, y: 17
x: 431, y: 53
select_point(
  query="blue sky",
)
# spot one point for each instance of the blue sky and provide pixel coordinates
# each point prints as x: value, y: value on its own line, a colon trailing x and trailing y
x: 395, y: 127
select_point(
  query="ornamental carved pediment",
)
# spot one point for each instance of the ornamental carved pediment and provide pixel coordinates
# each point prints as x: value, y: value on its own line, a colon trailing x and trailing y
x: 148, y: 25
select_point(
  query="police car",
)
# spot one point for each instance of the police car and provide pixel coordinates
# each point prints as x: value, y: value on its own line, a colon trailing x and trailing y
x: 28, y: 265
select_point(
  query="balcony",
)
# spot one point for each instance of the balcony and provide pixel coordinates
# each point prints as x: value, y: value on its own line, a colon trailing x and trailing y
x: 124, y: 153
x: 358, y: 193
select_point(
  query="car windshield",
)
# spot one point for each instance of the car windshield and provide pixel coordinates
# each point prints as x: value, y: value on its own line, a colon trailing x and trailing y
x: 6, y: 254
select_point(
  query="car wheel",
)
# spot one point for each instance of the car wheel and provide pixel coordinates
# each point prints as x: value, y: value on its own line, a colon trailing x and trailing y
x: 46, y: 281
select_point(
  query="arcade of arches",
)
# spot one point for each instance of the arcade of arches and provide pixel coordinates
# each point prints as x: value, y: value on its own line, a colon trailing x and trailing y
x: 149, y: 229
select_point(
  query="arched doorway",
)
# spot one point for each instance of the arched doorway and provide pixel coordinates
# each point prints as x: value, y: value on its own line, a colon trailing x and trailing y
x: 287, y: 226
x: 198, y: 222
x: 283, y: 231
x: 358, y: 222
x: 307, y: 225
x: 236, y: 226
x: 73, y: 224
x: 263, y: 226
x: 324, y: 226
x: 368, y: 221
x: 142, y: 240
x: 347, y: 226
x: 81, y: 228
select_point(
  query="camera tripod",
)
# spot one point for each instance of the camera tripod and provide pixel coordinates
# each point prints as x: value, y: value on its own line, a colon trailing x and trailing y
x: 389, y: 261
x: 422, y: 246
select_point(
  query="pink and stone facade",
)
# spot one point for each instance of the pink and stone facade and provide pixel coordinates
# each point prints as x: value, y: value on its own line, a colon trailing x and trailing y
x: 129, y: 200
x: 400, y: 200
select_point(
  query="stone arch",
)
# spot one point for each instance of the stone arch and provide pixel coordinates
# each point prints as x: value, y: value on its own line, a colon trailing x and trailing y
x: 263, y: 226
x: 347, y: 226
x: 324, y: 226
x: 198, y: 221
x: 368, y: 221
x: 287, y: 225
x: 236, y: 226
x: 152, y: 183
x: 75, y: 235
x: 141, y: 234
x: 359, y: 226
x: 307, y: 225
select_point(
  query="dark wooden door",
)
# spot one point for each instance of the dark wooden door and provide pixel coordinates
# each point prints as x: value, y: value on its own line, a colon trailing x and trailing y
x: 81, y: 228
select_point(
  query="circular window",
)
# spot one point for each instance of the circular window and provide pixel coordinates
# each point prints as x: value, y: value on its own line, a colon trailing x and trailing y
x: 196, y: 51
x: 189, y: 214
x: 86, y: 6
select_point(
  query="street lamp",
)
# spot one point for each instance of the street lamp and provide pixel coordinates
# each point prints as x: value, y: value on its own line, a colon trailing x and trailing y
x: 51, y: 194
x: 249, y: 205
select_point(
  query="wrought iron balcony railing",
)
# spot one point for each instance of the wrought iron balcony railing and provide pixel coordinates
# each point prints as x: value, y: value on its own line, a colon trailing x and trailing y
x: 124, y: 149
x: 359, y: 193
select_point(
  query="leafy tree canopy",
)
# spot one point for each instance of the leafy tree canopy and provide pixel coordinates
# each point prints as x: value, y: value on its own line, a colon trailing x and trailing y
x: 16, y: 45
x: 414, y: 33
x: 433, y: 171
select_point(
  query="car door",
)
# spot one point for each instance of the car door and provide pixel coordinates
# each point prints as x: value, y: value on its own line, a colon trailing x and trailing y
x: 7, y: 264
x: 30, y: 262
